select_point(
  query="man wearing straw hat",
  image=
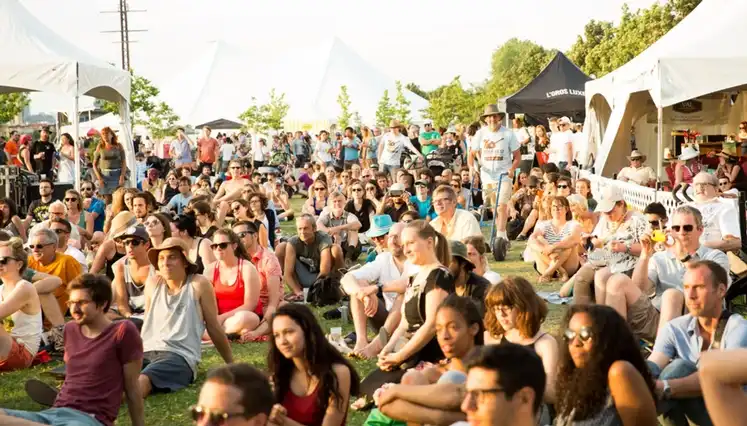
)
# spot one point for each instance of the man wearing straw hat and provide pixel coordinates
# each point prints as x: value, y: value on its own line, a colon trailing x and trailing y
x: 497, y: 151
x: 637, y: 172
x: 391, y: 147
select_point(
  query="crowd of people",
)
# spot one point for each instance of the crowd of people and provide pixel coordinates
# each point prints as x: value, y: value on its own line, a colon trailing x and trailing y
x: 128, y: 285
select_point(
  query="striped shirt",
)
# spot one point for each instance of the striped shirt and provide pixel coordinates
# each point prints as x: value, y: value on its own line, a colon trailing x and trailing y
x: 554, y: 236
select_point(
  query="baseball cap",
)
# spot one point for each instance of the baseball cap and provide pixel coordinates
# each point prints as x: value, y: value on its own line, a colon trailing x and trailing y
x: 564, y: 120
x: 611, y: 195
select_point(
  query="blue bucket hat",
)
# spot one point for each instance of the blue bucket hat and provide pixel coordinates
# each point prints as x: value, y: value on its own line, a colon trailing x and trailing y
x: 379, y: 226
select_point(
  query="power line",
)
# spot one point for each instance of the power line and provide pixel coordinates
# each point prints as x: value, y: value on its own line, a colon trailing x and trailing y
x: 124, y: 31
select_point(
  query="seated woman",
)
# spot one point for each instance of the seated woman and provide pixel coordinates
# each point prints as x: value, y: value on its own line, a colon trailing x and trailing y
x: 602, y: 378
x: 316, y: 202
x: 236, y: 284
x: 19, y: 304
x: 514, y: 314
x: 554, y: 243
x: 476, y: 249
x: 312, y: 381
x: 280, y: 198
x: 205, y: 219
x: 541, y: 207
x: 434, y: 394
x: 414, y: 339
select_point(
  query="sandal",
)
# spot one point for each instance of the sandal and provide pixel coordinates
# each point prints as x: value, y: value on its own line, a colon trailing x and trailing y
x: 293, y: 298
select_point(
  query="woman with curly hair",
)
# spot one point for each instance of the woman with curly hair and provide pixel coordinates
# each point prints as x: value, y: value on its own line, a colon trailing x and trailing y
x: 313, y: 382
x: 109, y: 163
x: 514, y: 314
x: 602, y: 378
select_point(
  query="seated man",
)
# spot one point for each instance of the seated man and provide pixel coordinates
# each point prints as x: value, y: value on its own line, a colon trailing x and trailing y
x: 681, y: 343
x: 103, y: 360
x: 179, y: 306
x: 131, y: 272
x: 57, y: 210
x: 63, y: 229
x: 341, y: 225
x: 637, y: 172
x: 370, y: 299
x: 308, y: 256
x: 234, y: 388
x: 454, y: 224
x: 20, y: 310
x: 660, y: 273
x: 720, y: 218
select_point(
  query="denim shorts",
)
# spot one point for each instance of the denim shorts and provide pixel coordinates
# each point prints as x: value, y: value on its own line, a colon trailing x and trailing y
x: 56, y: 417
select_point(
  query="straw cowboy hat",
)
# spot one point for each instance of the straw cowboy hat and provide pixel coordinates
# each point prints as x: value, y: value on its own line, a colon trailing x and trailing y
x: 395, y: 123
x: 688, y: 154
x: 121, y: 222
x: 492, y: 109
x: 728, y: 157
x: 637, y: 155
x: 168, y: 244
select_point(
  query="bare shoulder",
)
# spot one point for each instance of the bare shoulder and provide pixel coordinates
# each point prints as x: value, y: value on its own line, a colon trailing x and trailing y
x: 341, y: 371
x: 621, y: 370
x: 201, y: 284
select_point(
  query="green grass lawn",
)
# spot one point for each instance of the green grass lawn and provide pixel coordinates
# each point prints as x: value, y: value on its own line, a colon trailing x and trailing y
x: 171, y: 409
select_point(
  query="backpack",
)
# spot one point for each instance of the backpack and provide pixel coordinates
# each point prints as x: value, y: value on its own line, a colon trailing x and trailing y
x: 325, y: 291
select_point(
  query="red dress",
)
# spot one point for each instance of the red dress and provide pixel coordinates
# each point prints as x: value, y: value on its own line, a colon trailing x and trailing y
x: 231, y: 297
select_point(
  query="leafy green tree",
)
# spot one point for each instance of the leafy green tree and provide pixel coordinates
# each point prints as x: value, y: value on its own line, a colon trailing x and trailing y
x: 514, y: 65
x: 385, y: 111
x: 357, y: 121
x: 253, y: 118
x: 595, y: 32
x: 12, y: 104
x: 401, y: 105
x: 452, y: 103
x: 162, y: 121
x: 414, y: 88
x: 343, y: 99
x: 143, y: 100
x: 274, y: 112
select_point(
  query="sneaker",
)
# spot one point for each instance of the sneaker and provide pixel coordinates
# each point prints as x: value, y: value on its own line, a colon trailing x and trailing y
x: 56, y: 338
x: 521, y: 237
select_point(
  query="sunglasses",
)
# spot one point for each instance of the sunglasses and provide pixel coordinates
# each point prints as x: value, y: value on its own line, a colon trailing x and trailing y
x: 135, y: 242
x: 59, y: 231
x: 655, y: 224
x: 370, y: 188
x: 4, y: 260
x: 222, y: 246
x: 357, y: 189
x: 71, y: 199
x: 234, y: 167
x: 456, y: 186
x: 723, y: 184
x: 39, y: 246
x: 236, y: 207
x: 685, y: 228
x: 215, y: 418
x: 243, y: 234
x: 584, y: 334
x: 563, y: 186
x: 320, y: 189
x: 86, y: 189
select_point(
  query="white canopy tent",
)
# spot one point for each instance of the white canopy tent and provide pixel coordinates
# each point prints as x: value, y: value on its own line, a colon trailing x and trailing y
x: 35, y: 58
x: 98, y: 123
x: 696, y: 58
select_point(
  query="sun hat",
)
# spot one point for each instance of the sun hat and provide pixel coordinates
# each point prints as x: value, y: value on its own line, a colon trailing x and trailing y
x: 397, y: 187
x: 451, y: 130
x: 611, y: 195
x: 637, y: 154
x: 395, y: 123
x: 726, y: 155
x: 169, y: 244
x: 459, y: 249
x: 380, y: 225
x: 137, y: 231
x: 688, y: 153
x: 121, y: 222
x: 492, y: 109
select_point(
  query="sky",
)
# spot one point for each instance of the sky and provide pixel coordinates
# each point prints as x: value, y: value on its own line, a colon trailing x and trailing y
x: 427, y: 42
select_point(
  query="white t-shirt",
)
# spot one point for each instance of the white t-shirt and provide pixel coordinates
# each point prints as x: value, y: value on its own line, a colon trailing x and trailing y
x: 258, y: 153
x: 521, y: 135
x: 719, y: 220
x: 79, y: 256
x: 323, y: 149
x: 382, y: 270
x: 394, y: 145
x: 226, y: 151
x: 558, y: 146
x: 496, y: 150
x: 492, y: 276
x: 640, y: 176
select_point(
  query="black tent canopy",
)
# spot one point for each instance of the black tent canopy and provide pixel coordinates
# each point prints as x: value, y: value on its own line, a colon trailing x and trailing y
x: 557, y: 91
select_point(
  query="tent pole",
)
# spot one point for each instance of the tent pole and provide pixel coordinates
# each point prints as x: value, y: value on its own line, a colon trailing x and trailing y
x: 659, y: 140
x: 76, y: 142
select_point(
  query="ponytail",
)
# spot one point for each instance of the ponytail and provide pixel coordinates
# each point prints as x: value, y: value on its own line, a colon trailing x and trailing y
x: 443, y: 250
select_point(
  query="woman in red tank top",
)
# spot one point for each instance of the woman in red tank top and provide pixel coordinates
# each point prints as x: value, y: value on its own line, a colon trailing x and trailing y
x: 236, y: 283
x: 307, y: 371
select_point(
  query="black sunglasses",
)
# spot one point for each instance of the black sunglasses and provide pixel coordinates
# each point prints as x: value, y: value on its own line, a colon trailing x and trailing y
x: 134, y: 242
x: 71, y: 199
x: 4, y: 260
x: 655, y: 224
x: 563, y: 186
x: 243, y: 234
x: 222, y: 246
x: 584, y: 334
x: 39, y: 246
x: 685, y: 228
x: 214, y: 418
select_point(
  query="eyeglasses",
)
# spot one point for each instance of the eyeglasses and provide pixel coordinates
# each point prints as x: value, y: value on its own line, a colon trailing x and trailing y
x: 243, y: 234
x: 685, y: 228
x: 40, y: 246
x: 319, y: 189
x: 71, y: 199
x: 356, y: 189
x: 456, y: 186
x: 222, y: 246
x: 655, y: 224
x: 235, y: 208
x: 134, y: 242
x: 563, y: 187
x: 584, y: 334
x: 86, y: 189
x: 4, y: 260
x: 723, y: 184
x: 441, y: 200
x: 370, y: 189
x: 255, y: 200
x: 214, y: 418
x: 59, y: 231
x: 235, y: 167
x: 71, y: 303
x: 504, y: 309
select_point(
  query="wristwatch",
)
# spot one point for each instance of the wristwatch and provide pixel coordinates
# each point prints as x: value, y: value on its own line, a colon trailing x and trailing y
x: 686, y: 258
x: 667, y: 391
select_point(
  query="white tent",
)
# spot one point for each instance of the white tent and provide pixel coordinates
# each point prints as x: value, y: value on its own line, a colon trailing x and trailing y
x: 98, y: 123
x: 35, y: 58
x: 696, y: 58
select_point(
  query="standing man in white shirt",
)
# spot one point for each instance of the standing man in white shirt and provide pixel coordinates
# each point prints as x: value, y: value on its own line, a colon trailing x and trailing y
x: 391, y: 147
x: 498, y: 152
x: 561, y: 145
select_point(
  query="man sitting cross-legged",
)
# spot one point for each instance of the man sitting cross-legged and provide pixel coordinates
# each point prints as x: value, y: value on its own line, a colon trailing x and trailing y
x: 308, y: 256
x: 131, y: 272
x: 660, y: 273
x: 179, y: 305
x: 370, y: 298
x: 103, y: 359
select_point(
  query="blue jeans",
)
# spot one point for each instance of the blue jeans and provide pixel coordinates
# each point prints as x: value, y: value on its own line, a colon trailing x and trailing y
x: 55, y: 416
x: 677, y: 412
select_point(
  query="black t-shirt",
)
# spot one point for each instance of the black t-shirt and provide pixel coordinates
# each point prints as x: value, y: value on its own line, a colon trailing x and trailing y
x: 363, y: 215
x: 416, y: 143
x: 419, y: 286
x: 44, y: 165
x: 39, y: 210
x: 395, y: 213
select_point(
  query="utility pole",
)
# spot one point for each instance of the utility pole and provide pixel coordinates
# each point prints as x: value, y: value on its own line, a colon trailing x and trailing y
x: 124, y: 31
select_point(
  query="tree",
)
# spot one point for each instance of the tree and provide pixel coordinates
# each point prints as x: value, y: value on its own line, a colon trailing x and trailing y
x: 12, y: 104
x: 253, y: 118
x: 595, y: 33
x: 514, y: 65
x: 401, y: 104
x: 162, y: 121
x: 385, y: 111
x: 344, y: 101
x: 357, y: 121
x: 274, y: 112
x: 143, y: 100
x: 452, y: 104
x: 414, y: 88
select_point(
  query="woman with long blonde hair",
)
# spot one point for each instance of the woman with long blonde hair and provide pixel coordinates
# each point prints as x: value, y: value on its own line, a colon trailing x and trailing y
x: 117, y: 205
x: 109, y: 163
